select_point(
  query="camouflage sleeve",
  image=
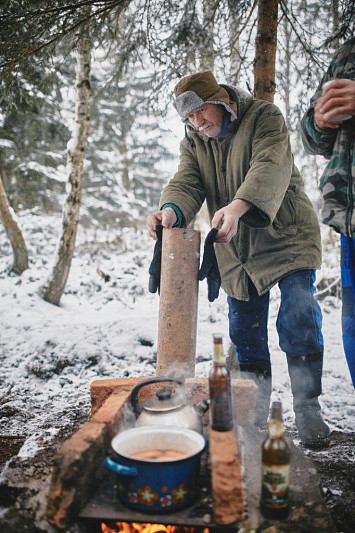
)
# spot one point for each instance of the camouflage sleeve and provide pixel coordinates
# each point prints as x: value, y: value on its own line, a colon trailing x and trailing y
x: 318, y: 141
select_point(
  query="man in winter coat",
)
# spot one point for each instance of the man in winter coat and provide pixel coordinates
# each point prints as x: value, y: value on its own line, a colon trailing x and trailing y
x: 236, y: 155
x: 328, y: 129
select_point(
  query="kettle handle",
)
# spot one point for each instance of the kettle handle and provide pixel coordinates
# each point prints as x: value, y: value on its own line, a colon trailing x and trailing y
x: 134, y: 393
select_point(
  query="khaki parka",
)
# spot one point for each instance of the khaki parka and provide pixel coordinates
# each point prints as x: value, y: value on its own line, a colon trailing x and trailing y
x: 253, y: 162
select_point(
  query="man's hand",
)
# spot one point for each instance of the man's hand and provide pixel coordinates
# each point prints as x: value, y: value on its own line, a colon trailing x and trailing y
x: 229, y: 216
x: 338, y: 97
x: 166, y: 217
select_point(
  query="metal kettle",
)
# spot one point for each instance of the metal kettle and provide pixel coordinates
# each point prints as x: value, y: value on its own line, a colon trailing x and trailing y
x: 167, y: 408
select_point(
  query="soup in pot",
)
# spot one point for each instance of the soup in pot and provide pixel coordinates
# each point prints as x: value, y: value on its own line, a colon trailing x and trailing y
x: 159, y: 455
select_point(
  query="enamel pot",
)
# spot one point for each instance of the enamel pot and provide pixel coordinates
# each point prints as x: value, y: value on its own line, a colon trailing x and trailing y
x: 151, y: 485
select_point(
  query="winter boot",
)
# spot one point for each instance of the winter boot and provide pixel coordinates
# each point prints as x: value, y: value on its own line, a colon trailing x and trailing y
x: 306, y: 376
x: 260, y: 373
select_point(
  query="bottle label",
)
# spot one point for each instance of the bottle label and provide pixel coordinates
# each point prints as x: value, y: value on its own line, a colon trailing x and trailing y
x: 276, y: 428
x: 218, y: 355
x: 275, y: 484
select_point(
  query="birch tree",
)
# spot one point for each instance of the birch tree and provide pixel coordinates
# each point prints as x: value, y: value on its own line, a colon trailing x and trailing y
x: 235, y: 60
x: 53, y: 289
x: 208, y: 53
x: 14, y: 233
x: 265, y: 50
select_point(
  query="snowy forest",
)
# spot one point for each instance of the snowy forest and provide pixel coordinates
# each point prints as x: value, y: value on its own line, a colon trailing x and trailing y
x: 88, y: 140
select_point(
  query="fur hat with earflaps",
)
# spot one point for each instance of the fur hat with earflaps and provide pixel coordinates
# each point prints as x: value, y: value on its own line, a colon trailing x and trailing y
x: 198, y: 89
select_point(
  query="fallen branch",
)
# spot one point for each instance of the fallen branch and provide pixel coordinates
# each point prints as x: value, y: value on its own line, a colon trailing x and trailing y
x: 323, y: 291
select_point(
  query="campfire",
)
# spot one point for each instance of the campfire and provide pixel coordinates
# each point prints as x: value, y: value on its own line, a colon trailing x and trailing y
x: 134, y: 527
x: 82, y: 490
x: 223, y: 498
x: 82, y: 487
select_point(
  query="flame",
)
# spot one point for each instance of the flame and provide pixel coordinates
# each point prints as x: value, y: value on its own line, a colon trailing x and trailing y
x: 134, y: 527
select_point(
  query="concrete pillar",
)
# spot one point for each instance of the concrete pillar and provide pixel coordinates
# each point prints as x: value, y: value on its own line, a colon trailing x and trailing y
x: 178, y: 303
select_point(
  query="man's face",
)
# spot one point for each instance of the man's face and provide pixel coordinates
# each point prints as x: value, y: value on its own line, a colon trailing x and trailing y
x: 207, y: 119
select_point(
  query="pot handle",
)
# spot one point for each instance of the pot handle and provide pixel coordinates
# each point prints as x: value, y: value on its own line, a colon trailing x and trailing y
x: 134, y: 393
x: 123, y: 470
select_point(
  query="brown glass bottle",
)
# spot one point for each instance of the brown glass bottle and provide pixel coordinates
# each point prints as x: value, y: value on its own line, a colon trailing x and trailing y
x: 275, y: 459
x: 221, y: 407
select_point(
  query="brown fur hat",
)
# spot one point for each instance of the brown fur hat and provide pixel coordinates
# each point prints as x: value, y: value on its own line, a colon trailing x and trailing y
x: 197, y: 89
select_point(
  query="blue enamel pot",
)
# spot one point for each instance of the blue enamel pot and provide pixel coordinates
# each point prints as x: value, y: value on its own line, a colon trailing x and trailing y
x: 157, y: 483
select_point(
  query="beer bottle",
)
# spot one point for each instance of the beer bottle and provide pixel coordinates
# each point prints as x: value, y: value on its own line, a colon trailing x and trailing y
x: 275, y: 461
x: 221, y: 408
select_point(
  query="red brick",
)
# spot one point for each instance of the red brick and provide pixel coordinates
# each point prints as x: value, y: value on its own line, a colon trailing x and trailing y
x: 101, y: 389
x: 77, y: 469
x: 226, y: 477
x: 244, y: 398
x: 112, y: 412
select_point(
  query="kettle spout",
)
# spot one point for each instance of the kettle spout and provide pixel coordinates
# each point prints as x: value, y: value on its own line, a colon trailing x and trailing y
x: 202, y: 407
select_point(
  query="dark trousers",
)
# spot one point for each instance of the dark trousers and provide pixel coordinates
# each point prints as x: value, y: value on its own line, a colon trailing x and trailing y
x: 299, y: 322
x: 347, y: 266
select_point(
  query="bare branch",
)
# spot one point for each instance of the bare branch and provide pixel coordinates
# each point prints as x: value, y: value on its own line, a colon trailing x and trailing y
x: 308, y: 51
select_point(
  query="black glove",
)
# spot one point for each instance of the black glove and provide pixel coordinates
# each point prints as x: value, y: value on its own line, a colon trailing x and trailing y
x: 155, y: 265
x: 209, y: 268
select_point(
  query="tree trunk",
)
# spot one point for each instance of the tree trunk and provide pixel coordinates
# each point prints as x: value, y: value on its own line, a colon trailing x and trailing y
x: 207, y: 54
x: 287, y: 67
x: 13, y: 232
x: 126, y: 182
x: 265, y: 50
x: 335, y: 10
x: 235, y: 62
x: 53, y: 289
x: 190, y: 53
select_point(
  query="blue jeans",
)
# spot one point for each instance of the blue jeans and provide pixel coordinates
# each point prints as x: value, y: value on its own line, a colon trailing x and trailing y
x: 298, y: 324
x: 347, y: 267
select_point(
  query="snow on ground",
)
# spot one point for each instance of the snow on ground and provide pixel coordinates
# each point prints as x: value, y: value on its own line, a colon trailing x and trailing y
x: 50, y: 354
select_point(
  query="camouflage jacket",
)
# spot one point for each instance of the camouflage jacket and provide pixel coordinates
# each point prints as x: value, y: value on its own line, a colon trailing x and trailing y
x: 338, y: 181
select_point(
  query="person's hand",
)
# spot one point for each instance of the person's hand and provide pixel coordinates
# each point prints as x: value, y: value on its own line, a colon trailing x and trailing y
x: 166, y: 217
x: 338, y: 98
x: 229, y: 217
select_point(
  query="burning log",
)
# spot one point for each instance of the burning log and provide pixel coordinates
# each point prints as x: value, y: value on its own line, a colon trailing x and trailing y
x: 134, y: 527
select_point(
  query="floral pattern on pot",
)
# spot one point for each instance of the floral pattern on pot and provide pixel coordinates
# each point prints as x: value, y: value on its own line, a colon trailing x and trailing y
x: 180, y: 493
x: 132, y: 497
x: 166, y: 501
x: 147, y: 496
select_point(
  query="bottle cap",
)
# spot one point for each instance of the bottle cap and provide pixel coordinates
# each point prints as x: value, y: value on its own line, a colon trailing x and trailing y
x: 276, y: 410
x: 217, y: 338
